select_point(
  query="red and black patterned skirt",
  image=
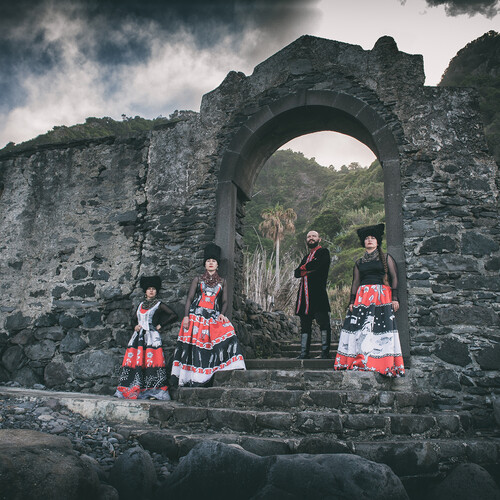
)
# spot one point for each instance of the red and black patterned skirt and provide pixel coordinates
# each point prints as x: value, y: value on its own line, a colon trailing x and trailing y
x: 369, y: 339
x: 206, y: 347
x: 143, y: 374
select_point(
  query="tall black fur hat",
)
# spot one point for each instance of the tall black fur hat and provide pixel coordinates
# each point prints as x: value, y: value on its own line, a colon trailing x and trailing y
x: 376, y: 231
x: 147, y: 281
x: 212, y: 251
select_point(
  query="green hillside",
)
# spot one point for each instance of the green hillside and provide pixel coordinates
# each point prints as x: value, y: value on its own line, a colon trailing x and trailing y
x: 96, y: 128
x: 333, y: 202
x: 292, y: 180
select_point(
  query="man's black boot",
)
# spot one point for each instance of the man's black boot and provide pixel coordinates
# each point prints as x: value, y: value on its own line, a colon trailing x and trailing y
x: 326, y: 338
x: 305, y: 342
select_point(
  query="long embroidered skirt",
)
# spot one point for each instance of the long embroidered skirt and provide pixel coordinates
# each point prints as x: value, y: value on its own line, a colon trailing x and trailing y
x: 369, y: 339
x: 206, y: 347
x: 143, y: 374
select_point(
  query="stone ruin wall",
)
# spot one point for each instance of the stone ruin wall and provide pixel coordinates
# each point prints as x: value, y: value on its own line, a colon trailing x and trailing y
x: 80, y: 222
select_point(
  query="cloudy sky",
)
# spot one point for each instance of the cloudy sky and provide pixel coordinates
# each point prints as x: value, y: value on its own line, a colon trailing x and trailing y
x: 64, y: 60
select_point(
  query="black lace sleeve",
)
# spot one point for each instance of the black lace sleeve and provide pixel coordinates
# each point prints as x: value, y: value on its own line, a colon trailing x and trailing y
x: 224, y: 298
x: 133, y: 317
x: 190, y: 297
x: 356, y: 280
x: 164, y: 315
x: 393, y: 274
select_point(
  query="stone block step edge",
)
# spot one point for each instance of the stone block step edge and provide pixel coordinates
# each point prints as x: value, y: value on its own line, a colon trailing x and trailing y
x: 230, y: 397
x: 90, y: 405
x: 303, y: 374
x: 156, y: 412
x: 254, y: 422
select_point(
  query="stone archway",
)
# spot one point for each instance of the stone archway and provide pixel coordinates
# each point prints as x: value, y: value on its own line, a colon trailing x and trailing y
x: 298, y: 114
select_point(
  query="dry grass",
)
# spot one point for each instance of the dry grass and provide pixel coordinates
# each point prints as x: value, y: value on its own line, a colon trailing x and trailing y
x: 260, y: 281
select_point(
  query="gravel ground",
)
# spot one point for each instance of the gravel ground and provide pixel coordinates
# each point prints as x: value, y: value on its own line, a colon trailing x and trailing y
x: 91, y: 437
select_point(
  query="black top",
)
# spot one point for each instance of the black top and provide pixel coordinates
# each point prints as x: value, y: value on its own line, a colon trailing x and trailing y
x: 316, y: 280
x: 372, y: 273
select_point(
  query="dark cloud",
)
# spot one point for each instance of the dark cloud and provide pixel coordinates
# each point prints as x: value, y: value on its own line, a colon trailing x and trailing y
x: 488, y: 8
x: 35, y: 34
x: 63, y: 60
x: 206, y: 20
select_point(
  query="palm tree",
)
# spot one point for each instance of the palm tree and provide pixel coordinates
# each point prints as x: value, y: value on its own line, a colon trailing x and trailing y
x: 277, y: 222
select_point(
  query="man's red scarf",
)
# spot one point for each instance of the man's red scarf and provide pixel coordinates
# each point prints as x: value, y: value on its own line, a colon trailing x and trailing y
x: 303, y: 281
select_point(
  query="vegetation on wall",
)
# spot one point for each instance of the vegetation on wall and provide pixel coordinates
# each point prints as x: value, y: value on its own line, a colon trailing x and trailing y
x: 97, y: 128
x: 478, y: 65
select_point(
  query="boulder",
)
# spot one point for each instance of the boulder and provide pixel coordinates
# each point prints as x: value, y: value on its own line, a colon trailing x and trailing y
x: 466, y: 481
x: 216, y: 470
x: 42, y: 350
x: 29, y: 458
x: 159, y: 442
x: 27, y: 377
x: 133, y: 475
x: 13, y: 358
x: 55, y: 374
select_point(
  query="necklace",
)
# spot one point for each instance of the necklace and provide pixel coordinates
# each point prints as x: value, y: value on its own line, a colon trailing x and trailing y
x: 149, y: 303
x: 211, y: 279
x: 370, y: 256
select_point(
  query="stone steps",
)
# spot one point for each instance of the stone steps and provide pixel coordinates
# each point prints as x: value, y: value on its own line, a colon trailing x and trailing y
x: 289, y: 364
x: 412, y: 444
x: 266, y: 421
x: 303, y: 374
x: 291, y: 423
x: 345, y: 401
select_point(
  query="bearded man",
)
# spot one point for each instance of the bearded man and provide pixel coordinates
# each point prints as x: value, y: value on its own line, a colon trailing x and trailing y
x: 312, y: 299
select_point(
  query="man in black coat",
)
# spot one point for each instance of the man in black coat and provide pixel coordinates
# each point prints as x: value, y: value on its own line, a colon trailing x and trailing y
x: 312, y: 299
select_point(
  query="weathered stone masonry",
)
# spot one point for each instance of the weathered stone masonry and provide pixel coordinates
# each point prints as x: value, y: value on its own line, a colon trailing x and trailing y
x: 80, y: 222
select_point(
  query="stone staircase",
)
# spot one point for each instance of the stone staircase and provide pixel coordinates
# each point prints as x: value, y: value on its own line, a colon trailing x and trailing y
x: 291, y: 349
x: 291, y: 404
x: 284, y: 406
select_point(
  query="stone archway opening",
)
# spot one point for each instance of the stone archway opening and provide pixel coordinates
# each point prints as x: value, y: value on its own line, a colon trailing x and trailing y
x: 281, y: 121
x: 309, y: 175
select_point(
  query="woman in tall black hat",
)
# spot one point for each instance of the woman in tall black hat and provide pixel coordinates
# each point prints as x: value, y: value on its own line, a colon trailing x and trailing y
x: 207, y: 342
x: 143, y: 374
x: 369, y: 339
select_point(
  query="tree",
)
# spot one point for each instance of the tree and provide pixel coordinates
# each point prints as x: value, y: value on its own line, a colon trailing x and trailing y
x: 277, y: 222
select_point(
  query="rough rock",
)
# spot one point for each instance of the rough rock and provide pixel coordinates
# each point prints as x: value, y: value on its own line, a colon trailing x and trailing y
x: 28, y: 458
x: 55, y: 374
x: 489, y: 357
x: 12, y: 358
x: 133, y: 475
x: 212, y: 469
x: 94, y: 364
x: 72, y: 343
x: 467, y: 481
